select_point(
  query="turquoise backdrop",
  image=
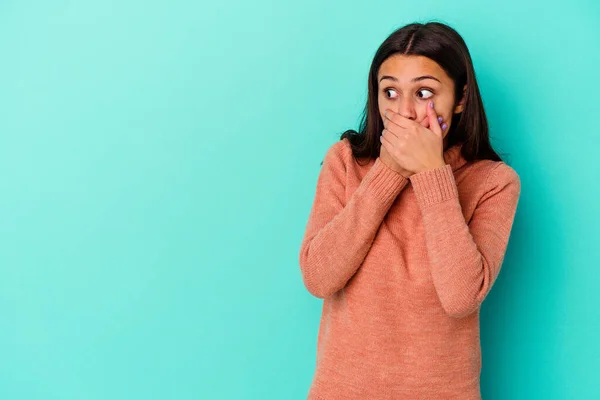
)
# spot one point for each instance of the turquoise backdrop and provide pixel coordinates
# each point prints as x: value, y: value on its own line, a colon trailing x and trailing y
x: 158, y: 161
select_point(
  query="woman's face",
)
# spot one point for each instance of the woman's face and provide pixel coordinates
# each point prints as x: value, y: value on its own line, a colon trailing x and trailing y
x: 407, y: 83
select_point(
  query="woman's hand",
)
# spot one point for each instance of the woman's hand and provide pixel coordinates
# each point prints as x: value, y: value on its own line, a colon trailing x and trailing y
x: 410, y: 147
x: 388, y: 160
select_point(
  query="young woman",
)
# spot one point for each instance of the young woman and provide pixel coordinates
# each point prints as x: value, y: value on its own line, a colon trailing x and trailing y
x: 408, y: 229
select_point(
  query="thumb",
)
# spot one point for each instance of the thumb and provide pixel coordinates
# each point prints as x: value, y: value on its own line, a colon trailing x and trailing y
x: 434, y: 124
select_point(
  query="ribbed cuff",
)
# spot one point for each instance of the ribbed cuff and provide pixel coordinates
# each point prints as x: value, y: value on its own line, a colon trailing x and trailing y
x: 383, y: 182
x: 434, y: 185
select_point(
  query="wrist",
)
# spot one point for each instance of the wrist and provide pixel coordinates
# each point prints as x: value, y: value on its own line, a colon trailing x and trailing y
x: 437, y: 165
x: 396, y: 168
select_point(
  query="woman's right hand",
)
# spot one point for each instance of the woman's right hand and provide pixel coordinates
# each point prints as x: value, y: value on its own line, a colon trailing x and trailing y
x: 388, y: 160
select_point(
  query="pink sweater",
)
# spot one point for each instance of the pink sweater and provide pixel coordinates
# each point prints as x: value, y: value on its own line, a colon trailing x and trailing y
x: 403, y: 266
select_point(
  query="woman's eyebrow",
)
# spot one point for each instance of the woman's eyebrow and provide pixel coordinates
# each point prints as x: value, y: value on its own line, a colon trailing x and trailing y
x: 417, y: 79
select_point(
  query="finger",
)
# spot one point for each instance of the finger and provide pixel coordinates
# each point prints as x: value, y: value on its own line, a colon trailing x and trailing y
x: 385, y: 142
x: 434, y: 124
x: 440, y: 121
x: 425, y: 121
x: 391, y: 128
x: 389, y: 134
x: 396, y: 119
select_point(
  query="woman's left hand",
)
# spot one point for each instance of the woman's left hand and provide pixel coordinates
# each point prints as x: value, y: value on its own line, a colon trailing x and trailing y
x: 418, y: 148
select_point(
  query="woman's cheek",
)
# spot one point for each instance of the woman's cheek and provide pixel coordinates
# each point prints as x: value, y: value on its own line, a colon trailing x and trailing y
x: 383, y: 105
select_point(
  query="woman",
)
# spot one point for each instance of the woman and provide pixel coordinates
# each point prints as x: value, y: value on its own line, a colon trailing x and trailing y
x: 408, y: 229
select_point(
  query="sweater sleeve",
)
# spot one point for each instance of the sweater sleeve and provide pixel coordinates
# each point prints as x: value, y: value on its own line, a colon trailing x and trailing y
x: 465, y: 259
x: 339, y: 234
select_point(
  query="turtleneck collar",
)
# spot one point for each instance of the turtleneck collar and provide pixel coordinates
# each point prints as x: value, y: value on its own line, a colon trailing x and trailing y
x: 453, y: 156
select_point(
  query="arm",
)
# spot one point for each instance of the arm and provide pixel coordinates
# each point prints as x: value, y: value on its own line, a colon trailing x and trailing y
x: 338, y: 235
x: 465, y: 259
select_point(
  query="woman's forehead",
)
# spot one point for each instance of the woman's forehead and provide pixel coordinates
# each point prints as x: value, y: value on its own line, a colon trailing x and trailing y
x: 406, y: 67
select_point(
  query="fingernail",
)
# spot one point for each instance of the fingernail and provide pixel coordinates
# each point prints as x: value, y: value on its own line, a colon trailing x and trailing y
x: 385, y: 113
x: 431, y: 104
x: 440, y: 119
x: 444, y: 126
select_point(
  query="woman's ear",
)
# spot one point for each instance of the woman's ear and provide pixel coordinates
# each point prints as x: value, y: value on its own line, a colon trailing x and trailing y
x: 461, y: 105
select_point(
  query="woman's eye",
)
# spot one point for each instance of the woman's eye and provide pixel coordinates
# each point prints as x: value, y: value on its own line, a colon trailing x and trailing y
x: 386, y: 91
x: 425, y: 96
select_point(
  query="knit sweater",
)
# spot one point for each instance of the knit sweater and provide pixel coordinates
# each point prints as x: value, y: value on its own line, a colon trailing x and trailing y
x: 403, y: 266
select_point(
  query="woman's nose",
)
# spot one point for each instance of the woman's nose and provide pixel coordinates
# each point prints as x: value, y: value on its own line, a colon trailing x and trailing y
x: 406, y: 108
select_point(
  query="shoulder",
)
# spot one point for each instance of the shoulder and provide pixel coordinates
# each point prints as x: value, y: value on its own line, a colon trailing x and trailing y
x: 338, y: 155
x: 503, y: 174
x: 342, y: 147
x: 501, y: 178
x: 493, y: 172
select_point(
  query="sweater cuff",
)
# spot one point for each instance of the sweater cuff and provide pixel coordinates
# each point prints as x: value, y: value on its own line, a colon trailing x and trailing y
x: 434, y: 185
x: 383, y: 182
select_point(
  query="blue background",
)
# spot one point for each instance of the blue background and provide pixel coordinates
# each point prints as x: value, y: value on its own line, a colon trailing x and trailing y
x: 158, y: 160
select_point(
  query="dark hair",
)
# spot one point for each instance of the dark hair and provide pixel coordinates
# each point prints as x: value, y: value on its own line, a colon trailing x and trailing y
x: 445, y: 46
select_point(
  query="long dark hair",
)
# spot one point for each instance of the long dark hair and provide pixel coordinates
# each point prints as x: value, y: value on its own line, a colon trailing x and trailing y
x: 445, y: 46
